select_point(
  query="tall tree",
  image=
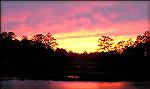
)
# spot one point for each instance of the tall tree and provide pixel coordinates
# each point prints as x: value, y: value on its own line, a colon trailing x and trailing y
x: 49, y: 41
x: 143, y: 38
x: 123, y: 45
x: 105, y: 43
x: 38, y: 38
x: 120, y: 46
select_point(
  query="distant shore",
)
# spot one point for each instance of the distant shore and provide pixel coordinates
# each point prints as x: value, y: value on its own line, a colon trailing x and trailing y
x: 88, y: 76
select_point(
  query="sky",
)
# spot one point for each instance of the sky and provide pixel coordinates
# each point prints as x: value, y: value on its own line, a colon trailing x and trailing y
x: 76, y: 25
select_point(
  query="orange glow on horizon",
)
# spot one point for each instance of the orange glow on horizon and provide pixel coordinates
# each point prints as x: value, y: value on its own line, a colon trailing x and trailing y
x: 83, y: 40
x: 82, y: 44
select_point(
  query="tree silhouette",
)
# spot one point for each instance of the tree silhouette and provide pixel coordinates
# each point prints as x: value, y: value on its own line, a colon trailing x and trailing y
x: 26, y: 43
x: 105, y: 43
x: 48, y: 40
x: 4, y: 34
x: 24, y: 38
x: 147, y: 36
x: 8, y: 35
x: 120, y: 46
x: 38, y: 38
x: 129, y: 43
x: 143, y: 38
x: 35, y: 59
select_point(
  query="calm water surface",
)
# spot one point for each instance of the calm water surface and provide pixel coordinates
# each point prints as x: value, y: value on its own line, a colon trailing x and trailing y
x: 28, y: 84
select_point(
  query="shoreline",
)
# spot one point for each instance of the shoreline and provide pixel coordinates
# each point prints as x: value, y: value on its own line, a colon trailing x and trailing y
x: 80, y: 76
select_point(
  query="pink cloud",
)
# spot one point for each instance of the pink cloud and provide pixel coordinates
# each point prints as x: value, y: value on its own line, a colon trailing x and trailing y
x: 101, y: 18
x: 73, y: 17
x: 113, y: 15
x: 84, y: 21
x: 128, y: 28
x: 86, y: 7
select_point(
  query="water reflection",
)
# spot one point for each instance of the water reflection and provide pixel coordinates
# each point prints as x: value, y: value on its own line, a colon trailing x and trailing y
x: 17, y: 84
x: 92, y: 85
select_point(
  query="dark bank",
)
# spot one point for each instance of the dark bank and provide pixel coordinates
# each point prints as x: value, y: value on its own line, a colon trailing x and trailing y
x: 37, y: 59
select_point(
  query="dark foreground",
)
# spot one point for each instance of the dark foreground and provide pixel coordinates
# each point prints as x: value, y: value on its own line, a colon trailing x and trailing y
x: 35, y: 59
x: 86, y: 76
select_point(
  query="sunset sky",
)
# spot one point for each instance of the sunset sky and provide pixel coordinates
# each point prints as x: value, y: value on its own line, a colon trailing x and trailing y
x: 76, y: 25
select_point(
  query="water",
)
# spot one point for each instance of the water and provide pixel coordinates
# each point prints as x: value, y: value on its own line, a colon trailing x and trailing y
x: 28, y: 84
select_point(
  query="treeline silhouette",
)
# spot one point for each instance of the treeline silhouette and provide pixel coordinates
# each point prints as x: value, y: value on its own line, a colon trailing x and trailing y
x: 39, y: 58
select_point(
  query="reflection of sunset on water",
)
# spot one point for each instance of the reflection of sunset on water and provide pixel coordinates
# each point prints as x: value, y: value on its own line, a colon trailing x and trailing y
x: 90, y: 85
x: 17, y: 84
